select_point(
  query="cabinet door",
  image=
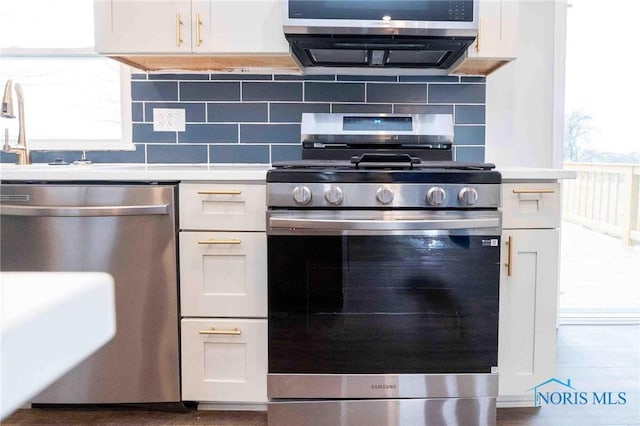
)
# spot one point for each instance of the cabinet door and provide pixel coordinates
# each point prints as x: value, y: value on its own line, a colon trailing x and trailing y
x: 224, y: 367
x: 239, y: 26
x: 497, y: 30
x: 528, y: 304
x: 142, y: 26
x: 223, y: 274
x: 222, y: 206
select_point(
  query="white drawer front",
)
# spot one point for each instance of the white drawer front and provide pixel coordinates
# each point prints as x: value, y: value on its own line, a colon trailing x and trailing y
x: 224, y: 367
x: 531, y: 205
x: 223, y: 274
x: 222, y: 207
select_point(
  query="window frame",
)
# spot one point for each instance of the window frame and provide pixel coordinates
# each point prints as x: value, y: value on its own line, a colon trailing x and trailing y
x: 125, y: 142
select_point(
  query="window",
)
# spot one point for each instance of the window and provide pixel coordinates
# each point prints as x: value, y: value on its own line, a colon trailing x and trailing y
x: 601, y: 229
x: 73, y: 98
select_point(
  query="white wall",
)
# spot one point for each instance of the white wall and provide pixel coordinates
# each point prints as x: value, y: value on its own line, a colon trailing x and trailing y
x: 525, y: 99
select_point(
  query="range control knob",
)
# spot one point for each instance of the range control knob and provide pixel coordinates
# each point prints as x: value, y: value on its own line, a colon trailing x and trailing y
x: 468, y: 196
x: 384, y: 194
x: 333, y: 195
x: 302, y: 194
x: 436, y: 196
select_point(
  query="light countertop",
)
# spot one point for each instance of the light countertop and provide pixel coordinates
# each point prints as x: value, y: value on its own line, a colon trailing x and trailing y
x: 535, y: 174
x: 49, y: 322
x: 200, y: 172
x: 136, y: 172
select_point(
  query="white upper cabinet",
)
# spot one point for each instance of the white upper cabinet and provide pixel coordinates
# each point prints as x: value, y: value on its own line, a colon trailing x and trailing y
x: 232, y: 26
x: 497, y: 30
x: 497, y: 40
x: 126, y: 26
x: 193, y: 34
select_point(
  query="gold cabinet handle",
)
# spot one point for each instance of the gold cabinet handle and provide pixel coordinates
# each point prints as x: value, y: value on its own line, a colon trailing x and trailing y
x: 509, y: 263
x: 478, y: 36
x: 212, y: 241
x: 198, y: 25
x: 235, y: 331
x: 178, y: 30
x: 220, y: 192
x: 534, y: 191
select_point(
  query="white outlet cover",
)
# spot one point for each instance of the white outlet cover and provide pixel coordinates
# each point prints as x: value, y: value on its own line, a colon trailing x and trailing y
x: 169, y: 119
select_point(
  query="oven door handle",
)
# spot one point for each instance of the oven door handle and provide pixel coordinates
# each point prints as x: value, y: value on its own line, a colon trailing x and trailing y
x: 383, y: 225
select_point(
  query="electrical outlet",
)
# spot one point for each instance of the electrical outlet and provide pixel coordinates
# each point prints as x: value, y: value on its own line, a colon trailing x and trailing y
x: 169, y: 120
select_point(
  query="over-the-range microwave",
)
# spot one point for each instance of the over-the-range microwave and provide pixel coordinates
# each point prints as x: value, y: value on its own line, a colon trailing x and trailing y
x: 380, y: 34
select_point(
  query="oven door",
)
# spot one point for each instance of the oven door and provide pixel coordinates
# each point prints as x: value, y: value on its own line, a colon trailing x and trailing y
x: 382, y: 297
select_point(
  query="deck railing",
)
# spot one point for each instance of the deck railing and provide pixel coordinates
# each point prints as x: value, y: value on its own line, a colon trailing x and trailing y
x: 604, y: 197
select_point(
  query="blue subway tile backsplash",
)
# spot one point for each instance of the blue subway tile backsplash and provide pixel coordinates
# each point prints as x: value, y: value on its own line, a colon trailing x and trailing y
x: 144, y: 133
x: 292, y: 112
x: 473, y: 154
x: 468, y: 135
x: 178, y: 77
x: 291, y: 77
x: 137, y: 156
x: 383, y: 92
x: 238, y: 112
x: 422, y: 109
x: 367, y: 78
x: 137, y: 111
x: 286, y: 152
x: 363, y: 108
x: 270, y: 133
x: 177, y: 154
x: 457, y: 93
x: 239, y: 154
x: 470, y: 114
x: 255, y: 118
x: 209, y: 91
x: 154, y: 90
x: 271, y: 91
x: 428, y: 78
x: 334, y: 92
x: 241, y: 77
x: 209, y: 133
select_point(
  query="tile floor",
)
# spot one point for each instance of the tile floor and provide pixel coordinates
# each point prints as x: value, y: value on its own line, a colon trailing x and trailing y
x: 597, y: 358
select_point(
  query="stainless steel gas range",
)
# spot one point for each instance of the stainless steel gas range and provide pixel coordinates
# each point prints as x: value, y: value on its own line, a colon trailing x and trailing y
x: 383, y: 291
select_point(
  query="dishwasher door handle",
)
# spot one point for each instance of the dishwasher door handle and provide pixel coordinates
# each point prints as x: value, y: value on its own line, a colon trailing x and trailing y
x: 86, y: 211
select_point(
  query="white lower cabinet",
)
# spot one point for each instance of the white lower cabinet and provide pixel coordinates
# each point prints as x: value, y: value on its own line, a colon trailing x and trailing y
x: 528, y: 303
x: 223, y: 274
x: 223, y: 292
x: 224, y: 360
x: 528, y: 289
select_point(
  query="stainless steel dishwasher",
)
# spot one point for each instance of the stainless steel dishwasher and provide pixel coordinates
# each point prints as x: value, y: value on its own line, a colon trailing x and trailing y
x: 128, y: 231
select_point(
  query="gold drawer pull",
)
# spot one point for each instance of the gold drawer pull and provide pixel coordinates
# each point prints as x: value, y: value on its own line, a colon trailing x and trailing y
x: 220, y: 192
x: 198, y: 25
x: 235, y: 331
x: 478, y: 36
x: 212, y: 241
x: 509, y: 263
x: 178, y: 30
x: 534, y: 191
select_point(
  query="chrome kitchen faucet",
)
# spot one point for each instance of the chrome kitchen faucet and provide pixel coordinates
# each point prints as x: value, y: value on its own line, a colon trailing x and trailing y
x: 20, y: 149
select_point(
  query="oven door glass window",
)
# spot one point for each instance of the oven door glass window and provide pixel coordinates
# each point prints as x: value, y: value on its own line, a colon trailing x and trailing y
x: 383, y: 304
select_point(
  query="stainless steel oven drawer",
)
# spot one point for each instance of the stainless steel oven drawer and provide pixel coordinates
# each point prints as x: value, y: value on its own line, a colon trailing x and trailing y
x: 385, y: 412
